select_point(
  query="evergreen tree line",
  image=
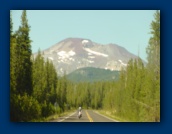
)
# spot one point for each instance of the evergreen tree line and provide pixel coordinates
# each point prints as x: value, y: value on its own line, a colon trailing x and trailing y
x: 34, y: 85
x: 37, y: 91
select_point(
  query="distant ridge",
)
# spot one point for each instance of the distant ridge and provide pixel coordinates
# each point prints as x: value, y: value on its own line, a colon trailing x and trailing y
x: 90, y: 74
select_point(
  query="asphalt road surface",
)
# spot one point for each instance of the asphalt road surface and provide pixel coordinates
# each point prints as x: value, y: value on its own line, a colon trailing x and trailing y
x: 87, y: 116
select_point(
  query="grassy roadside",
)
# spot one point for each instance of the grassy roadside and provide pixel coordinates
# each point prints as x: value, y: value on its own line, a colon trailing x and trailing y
x: 111, y: 115
x: 54, y: 116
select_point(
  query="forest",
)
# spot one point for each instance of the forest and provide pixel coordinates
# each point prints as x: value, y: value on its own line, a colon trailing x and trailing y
x: 37, y: 91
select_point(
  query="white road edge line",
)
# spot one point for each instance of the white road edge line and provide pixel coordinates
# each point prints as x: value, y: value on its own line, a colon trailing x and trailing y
x: 66, y: 117
x: 105, y: 116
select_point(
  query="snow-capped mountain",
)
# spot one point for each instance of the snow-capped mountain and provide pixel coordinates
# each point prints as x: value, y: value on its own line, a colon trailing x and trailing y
x: 74, y: 53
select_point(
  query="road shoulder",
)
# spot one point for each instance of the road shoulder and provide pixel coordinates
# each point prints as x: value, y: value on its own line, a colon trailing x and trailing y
x: 103, y: 115
x: 63, y: 116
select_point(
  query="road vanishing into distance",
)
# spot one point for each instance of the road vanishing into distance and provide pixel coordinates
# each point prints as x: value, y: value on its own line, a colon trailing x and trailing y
x: 87, y: 116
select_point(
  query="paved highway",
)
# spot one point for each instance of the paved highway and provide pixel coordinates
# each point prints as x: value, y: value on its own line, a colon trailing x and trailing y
x: 87, y: 116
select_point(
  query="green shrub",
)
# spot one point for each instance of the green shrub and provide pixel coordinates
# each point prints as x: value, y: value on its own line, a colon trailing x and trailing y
x: 24, y: 108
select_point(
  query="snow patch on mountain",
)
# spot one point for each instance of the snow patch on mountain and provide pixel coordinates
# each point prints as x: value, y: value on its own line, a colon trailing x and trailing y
x: 85, y: 41
x: 61, y: 53
x: 71, y: 53
x: 95, y: 53
x: 122, y: 63
x: 50, y: 58
x: 65, y: 55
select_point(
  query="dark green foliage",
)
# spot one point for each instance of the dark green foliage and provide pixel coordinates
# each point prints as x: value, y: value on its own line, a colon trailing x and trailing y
x: 33, y: 82
x: 90, y: 74
x: 12, y: 58
x: 24, y: 108
x: 44, y: 84
x: 47, y: 109
x: 20, y: 74
x: 23, y: 55
x: 39, y: 79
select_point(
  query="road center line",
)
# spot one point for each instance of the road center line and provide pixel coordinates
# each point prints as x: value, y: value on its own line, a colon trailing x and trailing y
x: 91, y: 120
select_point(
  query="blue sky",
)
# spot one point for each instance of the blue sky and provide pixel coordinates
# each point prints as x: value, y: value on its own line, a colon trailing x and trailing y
x: 127, y: 28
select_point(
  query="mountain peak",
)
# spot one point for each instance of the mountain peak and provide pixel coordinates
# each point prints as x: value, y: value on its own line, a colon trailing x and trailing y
x: 74, y: 39
x: 74, y: 53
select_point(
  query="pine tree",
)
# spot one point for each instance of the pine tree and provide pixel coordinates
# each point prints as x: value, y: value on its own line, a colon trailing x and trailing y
x: 153, y: 49
x: 153, y: 67
x: 38, y: 74
x: 24, y: 64
x: 12, y: 57
x: 12, y: 71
